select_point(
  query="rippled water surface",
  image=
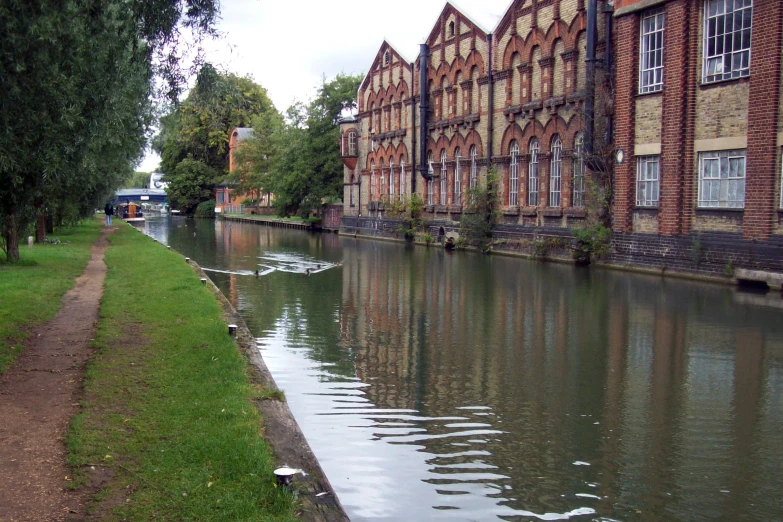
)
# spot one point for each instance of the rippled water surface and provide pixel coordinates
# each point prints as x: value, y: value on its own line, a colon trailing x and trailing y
x: 463, y: 387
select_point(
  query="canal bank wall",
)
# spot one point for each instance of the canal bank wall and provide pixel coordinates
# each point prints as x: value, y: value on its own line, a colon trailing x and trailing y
x: 317, y: 499
x: 717, y: 257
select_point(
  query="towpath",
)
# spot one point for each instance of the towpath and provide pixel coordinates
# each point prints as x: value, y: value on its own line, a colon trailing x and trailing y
x: 39, y: 395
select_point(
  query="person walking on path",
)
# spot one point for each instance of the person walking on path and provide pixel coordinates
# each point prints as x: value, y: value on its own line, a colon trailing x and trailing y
x: 109, y: 211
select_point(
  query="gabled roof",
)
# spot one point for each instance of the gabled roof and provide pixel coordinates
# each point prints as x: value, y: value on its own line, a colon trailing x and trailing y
x: 448, y: 8
x: 386, y: 45
x: 243, y: 133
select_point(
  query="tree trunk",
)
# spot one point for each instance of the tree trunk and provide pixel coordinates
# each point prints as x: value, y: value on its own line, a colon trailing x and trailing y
x: 40, y: 227
x: 12, y: 236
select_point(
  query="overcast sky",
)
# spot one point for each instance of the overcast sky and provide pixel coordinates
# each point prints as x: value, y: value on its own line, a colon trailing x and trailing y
x: 288, y: 45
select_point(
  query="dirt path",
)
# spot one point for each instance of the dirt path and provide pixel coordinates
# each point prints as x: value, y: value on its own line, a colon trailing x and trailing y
x: 39, y: 395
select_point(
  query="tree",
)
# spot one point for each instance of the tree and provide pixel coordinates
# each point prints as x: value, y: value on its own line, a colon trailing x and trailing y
x: 254, y: 158
x: 191, y: 183
x: 306, y: 168
x: 77, y: 78
x: 199, y: 128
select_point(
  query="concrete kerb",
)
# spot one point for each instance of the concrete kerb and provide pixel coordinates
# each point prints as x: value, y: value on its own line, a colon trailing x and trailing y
x: 315, y: 493
x: 318, y: 502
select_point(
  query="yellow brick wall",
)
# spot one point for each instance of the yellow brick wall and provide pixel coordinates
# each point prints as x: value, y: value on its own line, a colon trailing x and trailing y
x: 716, y: 223
x: 568, y: 10
x: 545, y: 17
x: 558, y: 83
x: 644, y: 223
x: 722, y: 111
x: 536, y: 83
x: 648, y: 119
x: 581, y: 71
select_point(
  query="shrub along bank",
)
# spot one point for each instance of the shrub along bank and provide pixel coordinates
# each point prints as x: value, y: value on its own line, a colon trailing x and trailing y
x: 30, y: 289
x: 166, y: 414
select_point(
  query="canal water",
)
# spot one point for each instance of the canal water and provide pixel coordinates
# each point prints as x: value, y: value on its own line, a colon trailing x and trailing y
x: 465, y: 387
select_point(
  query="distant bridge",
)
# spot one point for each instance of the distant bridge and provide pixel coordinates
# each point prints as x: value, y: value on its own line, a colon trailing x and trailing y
x: 140, y: 194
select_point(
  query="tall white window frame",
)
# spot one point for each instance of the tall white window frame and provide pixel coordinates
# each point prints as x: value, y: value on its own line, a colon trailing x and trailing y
x: 372, y: 180
x: 457, y: 177
x: 532, y: 174
x: 555, y: 170
x: 722, y: 179
x: 431, y: 181
x: 648, y: 181
x: 352, y: 143
x: 578, y: 184
x: 473, y: 167
x: 443, y: 177
x: 391, y: 180
x: 402, y: 179
x: 513, y: 174
x: 727, y: 39
x: 651, y: 52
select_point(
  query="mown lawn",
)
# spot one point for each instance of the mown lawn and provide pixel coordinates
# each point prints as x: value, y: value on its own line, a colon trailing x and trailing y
x: 30, y: 290
x: 166, y: 407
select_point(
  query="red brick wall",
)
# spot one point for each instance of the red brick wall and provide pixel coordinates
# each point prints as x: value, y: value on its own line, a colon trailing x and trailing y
x: 763, y: 107
x: 678, y: 117
x: 626, y: 38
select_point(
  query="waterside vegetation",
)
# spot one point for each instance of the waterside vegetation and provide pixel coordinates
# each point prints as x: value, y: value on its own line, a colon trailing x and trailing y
x: 167, y: 415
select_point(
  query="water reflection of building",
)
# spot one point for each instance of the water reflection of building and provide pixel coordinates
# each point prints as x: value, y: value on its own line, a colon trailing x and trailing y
x: 661, y: 390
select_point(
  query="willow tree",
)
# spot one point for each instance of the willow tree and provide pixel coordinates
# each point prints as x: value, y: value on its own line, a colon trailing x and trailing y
x: 77, y: 78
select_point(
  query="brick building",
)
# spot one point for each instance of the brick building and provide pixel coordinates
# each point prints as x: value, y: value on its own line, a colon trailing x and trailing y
x: 698, y: 113
x: 224, y: 192
x: 693, y: 99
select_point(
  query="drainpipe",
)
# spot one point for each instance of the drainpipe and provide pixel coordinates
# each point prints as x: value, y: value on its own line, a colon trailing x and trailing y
x: 423, y: 120
x: 413, y: 137
x: 592, y: 30
x: 608, y: 16
x: 491, y: 103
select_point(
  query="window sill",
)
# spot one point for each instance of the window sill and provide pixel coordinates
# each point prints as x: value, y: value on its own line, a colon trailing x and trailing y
x: 552, y: 212
x: 510, y: 211
x: 647, y: 208
x: 720, y: 209
x: 529, y: 211
x: 659, y: 92
x: 575, y: 212
x: 717, y: 83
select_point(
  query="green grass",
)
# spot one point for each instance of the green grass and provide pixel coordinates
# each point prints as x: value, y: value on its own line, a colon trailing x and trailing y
x: 30, y: 290
x: 167, y: 400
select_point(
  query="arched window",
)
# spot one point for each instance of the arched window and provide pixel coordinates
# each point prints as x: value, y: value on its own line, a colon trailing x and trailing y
x: 350, y: 189
x: 352, y: 143
x: 513, y: 175
x: 431, y: 181
x: 391, y: 180
x: 443, y: 177
x: 578, y: 189
x: 402, y: 179
x: 457, y: 177
x: 451, y: 28
x: 473, y: 167
x: 532, y: 176
x: 555, y: 168
x: 381, y: 187
x: 386, y: 58
x: 372, y: 180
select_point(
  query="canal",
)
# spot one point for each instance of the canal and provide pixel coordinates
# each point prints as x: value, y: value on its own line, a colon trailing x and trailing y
x: 465, y: 387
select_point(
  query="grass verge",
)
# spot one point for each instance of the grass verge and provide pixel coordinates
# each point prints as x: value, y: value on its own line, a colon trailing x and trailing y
x: 31, y: 289
x: 166, y: 408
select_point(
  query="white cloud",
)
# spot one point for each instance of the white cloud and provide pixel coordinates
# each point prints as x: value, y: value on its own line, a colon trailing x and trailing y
x: 287, y: 46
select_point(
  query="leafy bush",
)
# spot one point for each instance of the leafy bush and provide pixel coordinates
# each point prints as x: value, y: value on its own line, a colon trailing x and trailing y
x: 592, y: 242
x: 482, y: 213
x: 205, y: 209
